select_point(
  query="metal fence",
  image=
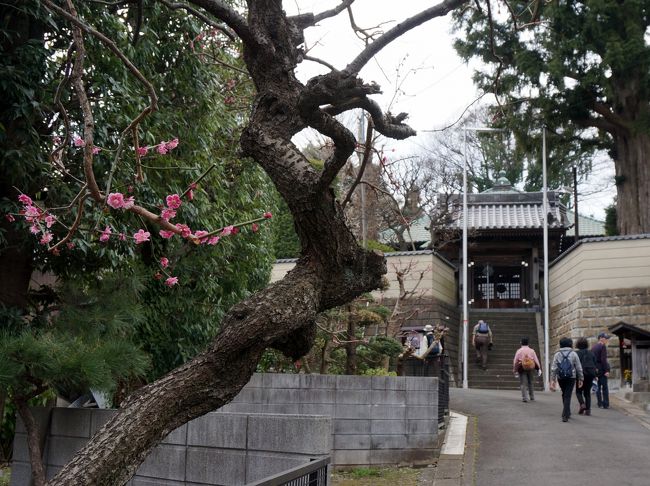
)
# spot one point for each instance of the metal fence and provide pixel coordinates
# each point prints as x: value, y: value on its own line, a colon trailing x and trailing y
x: 438, y: 367
x: 314, y: 473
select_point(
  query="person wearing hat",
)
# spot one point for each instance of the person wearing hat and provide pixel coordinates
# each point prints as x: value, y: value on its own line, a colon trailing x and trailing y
x: 482, y: 342
x: 600, y: 352
x: 434, y: 346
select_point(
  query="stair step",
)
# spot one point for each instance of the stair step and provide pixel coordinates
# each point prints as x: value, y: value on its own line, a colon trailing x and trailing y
x: 507, y: 330
x: 638, y: 397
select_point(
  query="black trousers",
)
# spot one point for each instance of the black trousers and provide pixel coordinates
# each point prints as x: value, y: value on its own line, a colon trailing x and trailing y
x: 566, y: 385
x: 584, y: 393
x: 602, y: 392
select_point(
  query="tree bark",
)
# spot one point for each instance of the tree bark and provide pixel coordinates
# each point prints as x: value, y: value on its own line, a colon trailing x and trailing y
x: 332, y: 270
x: 633, y: 188
x: 33, y: 442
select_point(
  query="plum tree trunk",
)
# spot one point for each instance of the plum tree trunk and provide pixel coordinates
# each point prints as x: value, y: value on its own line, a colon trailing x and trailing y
x: 332, y: 270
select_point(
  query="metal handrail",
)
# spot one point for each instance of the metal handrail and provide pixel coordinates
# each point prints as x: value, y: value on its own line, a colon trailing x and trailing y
x: 313, y: 473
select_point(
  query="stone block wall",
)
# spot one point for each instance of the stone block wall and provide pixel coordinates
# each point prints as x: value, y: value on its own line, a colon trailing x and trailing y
x: 218, y: 449
x: 381, y: 420
x: 591, y: 312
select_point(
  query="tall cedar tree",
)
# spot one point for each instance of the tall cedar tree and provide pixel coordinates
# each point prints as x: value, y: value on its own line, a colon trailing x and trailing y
x: 581, y: 68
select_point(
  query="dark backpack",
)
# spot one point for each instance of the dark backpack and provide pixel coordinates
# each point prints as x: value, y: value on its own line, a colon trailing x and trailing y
x: 483, y: 328
x: 588, y: 362
x: 565, y: 368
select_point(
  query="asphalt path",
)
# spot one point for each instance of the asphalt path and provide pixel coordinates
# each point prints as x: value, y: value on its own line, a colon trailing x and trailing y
x: 528, y: 444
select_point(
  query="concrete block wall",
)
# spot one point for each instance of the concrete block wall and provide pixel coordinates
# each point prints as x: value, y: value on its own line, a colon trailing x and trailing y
x: 380, y: 420
x: 218, y: 449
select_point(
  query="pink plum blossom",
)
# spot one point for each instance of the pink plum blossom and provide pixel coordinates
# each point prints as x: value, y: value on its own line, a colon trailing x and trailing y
x: 143, y: 151
x: 50, y: 220
x: 185, y: 230
x: 168, y: 214
x: 214, y: 240
x: 115, y: 200
x: 164, y: 262
x: 70, y: 245
x: 268, y: 215
x: 32, y: 212
x: 171, y: 281
x: 10, y: 218
x: 172, y: 144
x: 173, y: 201
x: 121, y: 237
x: 162, y: 148
x: 96, y: 150
x: 46, y: 238
x: 200, y: 235
x: 166, y: 234
x: 255, y: 227
x: 25, y: 199
x: 106, y: 234
x: 190, y: 195
x: 141, y: 236
x: 35, y: 229
x: 128, y: 202
x: 228, y: 230
x: 78, y: 141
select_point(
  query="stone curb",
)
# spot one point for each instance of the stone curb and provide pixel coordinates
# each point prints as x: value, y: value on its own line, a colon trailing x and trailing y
x: 458, y: 469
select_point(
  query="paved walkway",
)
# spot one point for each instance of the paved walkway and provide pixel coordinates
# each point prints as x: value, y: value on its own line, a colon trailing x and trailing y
x: 511, y: 442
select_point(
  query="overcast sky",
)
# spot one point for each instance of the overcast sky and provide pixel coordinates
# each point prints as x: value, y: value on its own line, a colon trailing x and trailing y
x: 420, y: 74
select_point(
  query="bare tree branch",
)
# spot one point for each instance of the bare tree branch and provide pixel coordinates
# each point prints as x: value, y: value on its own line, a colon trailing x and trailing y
x: 309, y: 19
x: 366, y: 158
x: 199, y: 15
x: 319, y: 61
x: 437, y: 11
x: 226, y: 14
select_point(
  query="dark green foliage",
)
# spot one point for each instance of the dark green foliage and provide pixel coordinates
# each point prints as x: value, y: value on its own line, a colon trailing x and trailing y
x: 375, y: 245
x: 83, y: 341
x: 192, y: 93
x: 285, y: 241
x: 610, y: 221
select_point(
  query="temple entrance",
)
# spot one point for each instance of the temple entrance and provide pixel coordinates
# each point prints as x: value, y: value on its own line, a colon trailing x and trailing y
x: 497, y: 287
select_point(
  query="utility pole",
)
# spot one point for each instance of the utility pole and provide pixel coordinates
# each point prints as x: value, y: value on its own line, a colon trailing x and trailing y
x: 362, y: 141
x: 575, y: 204
x: 546, y: 296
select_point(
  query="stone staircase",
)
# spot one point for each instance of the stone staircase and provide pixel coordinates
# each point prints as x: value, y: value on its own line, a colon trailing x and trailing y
x: 507, y: 330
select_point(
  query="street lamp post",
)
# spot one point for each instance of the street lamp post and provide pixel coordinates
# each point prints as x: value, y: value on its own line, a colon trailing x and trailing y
x: 546, y: 284
x: 464, y: 261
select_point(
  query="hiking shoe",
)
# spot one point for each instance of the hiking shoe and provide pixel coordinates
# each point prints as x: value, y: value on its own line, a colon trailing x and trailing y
x: 587, y: 412
x: 582, y: 410
x: 565, y: 419
x: 524, y: 400
x: 532, y: 399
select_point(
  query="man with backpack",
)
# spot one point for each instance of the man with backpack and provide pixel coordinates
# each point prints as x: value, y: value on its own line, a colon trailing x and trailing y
x: 589, y: 369
x: 482, y: 342
x: 565, y: 369
x: 524, y: 366
x: 600, y: 352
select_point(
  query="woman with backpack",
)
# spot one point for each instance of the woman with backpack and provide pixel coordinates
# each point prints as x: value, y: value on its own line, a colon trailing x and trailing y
x: 482, y: 342
x: 524, y: 366
x: 590, y: 371
x: 566, y: 368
